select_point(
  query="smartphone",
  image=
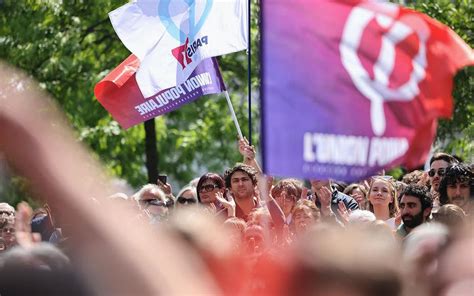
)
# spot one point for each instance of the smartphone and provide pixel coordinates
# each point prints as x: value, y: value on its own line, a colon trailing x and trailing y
x: 163, y: 179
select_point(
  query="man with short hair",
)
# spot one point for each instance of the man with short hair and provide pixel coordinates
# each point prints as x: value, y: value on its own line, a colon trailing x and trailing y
x: 415, y: 207
x: 241, y: 180
x: 457, y: 187
x: 438, y: 164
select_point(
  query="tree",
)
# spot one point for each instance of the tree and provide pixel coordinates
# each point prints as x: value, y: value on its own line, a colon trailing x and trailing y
x: 69, y: 47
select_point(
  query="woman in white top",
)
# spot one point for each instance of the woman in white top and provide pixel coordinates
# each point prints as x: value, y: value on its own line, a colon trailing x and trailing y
x: 383, y: 200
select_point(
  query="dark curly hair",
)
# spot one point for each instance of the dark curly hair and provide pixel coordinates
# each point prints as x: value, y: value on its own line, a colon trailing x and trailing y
x: 458, y: 172
x: 240, y: 167
x: 422, y: 193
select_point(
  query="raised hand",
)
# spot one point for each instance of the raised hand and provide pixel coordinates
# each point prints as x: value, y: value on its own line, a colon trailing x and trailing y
x: 229, y: 203
x: 24, y: 236
x: 343, y: 212
x: 246, y: 150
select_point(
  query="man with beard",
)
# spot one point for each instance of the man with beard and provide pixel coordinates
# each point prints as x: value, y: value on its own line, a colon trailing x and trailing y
x: 457, y: 187
x: 241, y: 181
x: 415, y: 206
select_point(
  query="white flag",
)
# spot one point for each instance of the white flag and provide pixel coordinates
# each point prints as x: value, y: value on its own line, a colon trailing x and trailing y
x: 171, y: 37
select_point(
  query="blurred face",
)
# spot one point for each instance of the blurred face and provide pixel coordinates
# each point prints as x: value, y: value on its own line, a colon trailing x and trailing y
x: 436, y: 172
x: 410, y: 208
x: 302, y: 219
x: 153, y: 206
x: 186, y: 199
x: 208, y: 191
x: 6, y: 213
x: 459, y: 193
x: 286, y: 201
x: 8, y: 233
x: 241, y: 186
x: 358, y: 195
x: 380, y: 194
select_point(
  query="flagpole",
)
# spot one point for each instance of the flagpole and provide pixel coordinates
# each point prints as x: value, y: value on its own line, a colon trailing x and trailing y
x: 249, y: 72
x: 231, y: 108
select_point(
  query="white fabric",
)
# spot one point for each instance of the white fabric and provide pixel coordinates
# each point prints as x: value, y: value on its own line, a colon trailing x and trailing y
x: 151, y: 29
x: 391, y: 222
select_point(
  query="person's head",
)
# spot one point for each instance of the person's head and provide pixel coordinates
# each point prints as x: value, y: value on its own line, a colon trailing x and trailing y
x: 450, y: 215
x: 186, y: 196
x: 7, y: 212
x: 438, y: 164
x: 305, y: 214
x: 457, y: 186
x: 236, y: 228
x: 286, y: 194
x: 361, y: 217
x: 352, y: 262
x: 359, y: 193
x: 261, y: 216
x: 153, y: 201
x: 415, y: 205
x: 208, y: 186
x: 412, y: 177
x: 7, y: 233
x: 382, y: 193
x: 254, y: 239
x: 241, y: 180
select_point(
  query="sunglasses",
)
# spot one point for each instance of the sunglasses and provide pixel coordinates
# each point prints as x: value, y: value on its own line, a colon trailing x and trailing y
x: 183, y: 200
x: 432, y: 172
x: 156, y: 202
x: 208, y: 188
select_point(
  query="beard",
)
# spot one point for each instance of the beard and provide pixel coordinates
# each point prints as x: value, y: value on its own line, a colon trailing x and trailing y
x: 413, y: 221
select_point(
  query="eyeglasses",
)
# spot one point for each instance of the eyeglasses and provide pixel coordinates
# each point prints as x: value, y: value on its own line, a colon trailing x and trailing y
x: 155, y: 202
x: 208, y: 188
x: 183, y: 200
x: 432, y: 172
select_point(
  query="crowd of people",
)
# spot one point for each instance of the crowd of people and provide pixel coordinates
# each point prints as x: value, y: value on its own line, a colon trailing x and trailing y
x: 379, y: 236
x: 239, y: 233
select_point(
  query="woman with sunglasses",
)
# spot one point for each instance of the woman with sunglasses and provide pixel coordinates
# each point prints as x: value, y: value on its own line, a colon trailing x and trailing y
x: 383, y: 200
x: 187, y: 196
x: 211, y: 186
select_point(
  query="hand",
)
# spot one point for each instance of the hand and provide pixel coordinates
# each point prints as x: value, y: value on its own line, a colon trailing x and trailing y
x: 165, y: 187
x: 325, y: 196
x: 304, y: 193
x: 247, y: 151
x: 24, y: 236
x: 343, y: 212
x: 229, y: 203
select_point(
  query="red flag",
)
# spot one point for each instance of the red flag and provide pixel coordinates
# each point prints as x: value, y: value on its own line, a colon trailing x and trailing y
x: 119, y: 93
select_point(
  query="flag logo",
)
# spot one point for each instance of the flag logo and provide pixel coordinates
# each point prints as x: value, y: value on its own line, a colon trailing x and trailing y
x: 382, y: 82
x: 197, y: 13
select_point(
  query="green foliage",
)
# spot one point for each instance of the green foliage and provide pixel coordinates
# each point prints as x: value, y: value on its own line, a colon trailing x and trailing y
x: 68, y: 46
x: 457, y: 135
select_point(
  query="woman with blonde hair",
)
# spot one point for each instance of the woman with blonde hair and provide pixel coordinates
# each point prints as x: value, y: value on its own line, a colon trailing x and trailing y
x: 383, y: 200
